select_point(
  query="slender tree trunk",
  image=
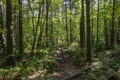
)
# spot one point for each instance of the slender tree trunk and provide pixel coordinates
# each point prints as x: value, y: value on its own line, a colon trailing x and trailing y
x: 112, y: 30
x: 32, y: 12
x: 88, y: 31
x: 106, y: 33
x: 92, y: 24
x: 20, y: 28
x: 97, y: 30
x: 118, y: 34
x: 46, y: 30
x: 82, y: 30
x: 71, y: 29
x: 39, y: 41
x: 9, y: 59
x: 66, y: 23
x: 52, y: 32
x: 35, y: 37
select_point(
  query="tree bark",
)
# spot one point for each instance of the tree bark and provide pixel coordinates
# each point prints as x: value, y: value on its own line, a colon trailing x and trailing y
x: 66, y: 23
x: 82, y: 32
x: 112, y: 30
x: 71, y: 31
x: 106, y: 34
x: 88, y: 31
x: 9, y: 59
x: 97, y: 30
x: 35, y: 37
x: 20, y: 28
x: 46, y: 30
x: 118, y: 34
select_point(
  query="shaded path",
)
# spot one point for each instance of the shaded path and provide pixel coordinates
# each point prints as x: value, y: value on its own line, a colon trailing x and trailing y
x: 66, y: 69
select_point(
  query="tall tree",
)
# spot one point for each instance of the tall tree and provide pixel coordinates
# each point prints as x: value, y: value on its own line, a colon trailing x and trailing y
x: 10, y: 60
x: 88, y: 31
x: 20, y: 28
x: 82, y: 30
x: 97, y: 28
x: 113, y: 30
x: 36, y: 30
x: 118, y: 32
x: 33, y: 16
x: 106, y: 29
x: 51, y: 27
x: 66, y: 22
x: 46, y: 30
x: 71, y: 29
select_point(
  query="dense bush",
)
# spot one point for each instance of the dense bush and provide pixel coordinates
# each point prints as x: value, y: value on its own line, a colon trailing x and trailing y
x: 109, y: 69
x: 76, y: 55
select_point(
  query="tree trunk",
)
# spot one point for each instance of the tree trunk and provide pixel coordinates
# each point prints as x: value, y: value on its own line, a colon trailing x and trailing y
x: 112, y: 30
x: 106, y: 34
x: 20, y: 28
x: 35, y: 37
x: 9, y: 59
x: 51, y: 26
x: 46, y: 30
x: 88, y: 31
x: 66, y: 23
x: 82, y: 32
x: 71, y: 31
x: 118, y: 34
x: 32, y: 12
x: 97, y: 30
x: 92, y: 31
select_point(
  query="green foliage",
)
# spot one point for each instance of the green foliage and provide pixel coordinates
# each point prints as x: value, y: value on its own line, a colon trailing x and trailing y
x: 49, y: 63
x: 76, y: 54
x: 109, y: 67
x: 3, y: 30
x: 73, y: 47
x: 116, y: 52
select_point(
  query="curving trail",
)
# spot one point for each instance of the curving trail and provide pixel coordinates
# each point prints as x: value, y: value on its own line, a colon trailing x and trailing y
x: 67, y: 69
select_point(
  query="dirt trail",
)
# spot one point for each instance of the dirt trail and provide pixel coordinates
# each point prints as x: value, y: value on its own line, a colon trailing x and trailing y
x: 66, y: 69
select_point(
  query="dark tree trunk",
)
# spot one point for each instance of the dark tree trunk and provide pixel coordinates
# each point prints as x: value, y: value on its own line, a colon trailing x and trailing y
x: 118, y: 34
x: 112, y: 30
x: 46, y: 30
x: 88, y: 31
x: 39, y: 41
x: 9, y: 59
x: 38, y: 22
x: 20, y: 28
x: 106, y: 34
x: 97, y: 30
x: 71, y: 29
x: 82, y: 30
x: 92, y: 24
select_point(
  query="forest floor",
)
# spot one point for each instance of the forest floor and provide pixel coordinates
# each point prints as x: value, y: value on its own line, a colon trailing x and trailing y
x: 63, y: 70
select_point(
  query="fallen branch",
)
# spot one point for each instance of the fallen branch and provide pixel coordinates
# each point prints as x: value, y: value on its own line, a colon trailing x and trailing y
x: 77, y: 74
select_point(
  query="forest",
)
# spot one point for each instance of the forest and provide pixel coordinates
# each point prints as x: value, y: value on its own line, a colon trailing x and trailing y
x: 59, y: 39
